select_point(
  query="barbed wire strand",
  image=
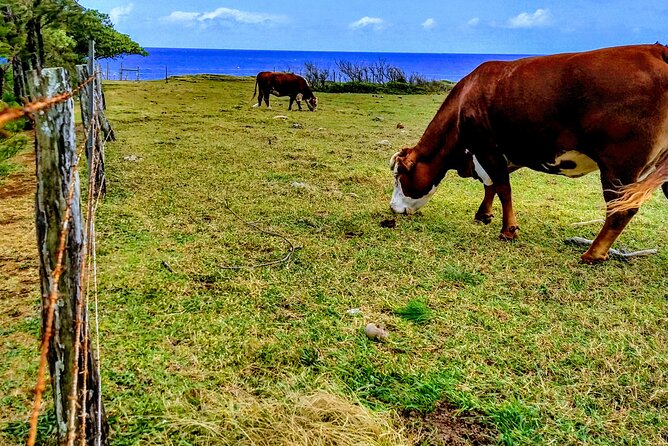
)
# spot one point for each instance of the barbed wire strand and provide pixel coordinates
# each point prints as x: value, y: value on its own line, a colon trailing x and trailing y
x: 9, y: 114
x: 60, y: 252
x: 92, y: 187
x: 98, y: 438
x: 81, y: 303
x: 92, y: 254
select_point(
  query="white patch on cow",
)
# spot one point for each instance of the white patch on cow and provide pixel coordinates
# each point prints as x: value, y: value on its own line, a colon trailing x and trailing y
x: 401, y: 204
x: 256, y: 105
x: 484, y: 177
x: 583, y: 164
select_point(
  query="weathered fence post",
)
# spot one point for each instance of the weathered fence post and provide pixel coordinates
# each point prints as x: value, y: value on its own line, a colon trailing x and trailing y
x: 100, y: 119
x: 103, y: 103
x: 55, y: 159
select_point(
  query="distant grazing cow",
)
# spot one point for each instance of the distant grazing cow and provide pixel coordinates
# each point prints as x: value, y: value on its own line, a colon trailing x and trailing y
x: 284, y: 84
x: 567, y: 114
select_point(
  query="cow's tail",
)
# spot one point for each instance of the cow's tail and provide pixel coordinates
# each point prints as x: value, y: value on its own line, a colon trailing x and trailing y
x: 254, y: 91
x: 633, y: 195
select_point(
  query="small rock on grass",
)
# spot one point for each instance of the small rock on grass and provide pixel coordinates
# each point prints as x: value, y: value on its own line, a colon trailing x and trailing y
x: 375, y: 333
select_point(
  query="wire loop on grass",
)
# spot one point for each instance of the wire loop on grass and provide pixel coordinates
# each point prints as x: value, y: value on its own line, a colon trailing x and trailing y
x: 286, y: 258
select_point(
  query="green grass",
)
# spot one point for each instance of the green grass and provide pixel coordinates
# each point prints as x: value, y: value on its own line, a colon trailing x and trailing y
x: 8, y: 148
x: 547, y: 350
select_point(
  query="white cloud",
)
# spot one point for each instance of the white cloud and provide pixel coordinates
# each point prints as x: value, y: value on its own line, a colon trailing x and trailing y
x: 540, y: 17
x: 475, y: 21
x: 223, y: 14
x: 377, y: 23
x: 181, y: 16
x: 116, y: 14
x: 241, y: 16
x: 429, y: 23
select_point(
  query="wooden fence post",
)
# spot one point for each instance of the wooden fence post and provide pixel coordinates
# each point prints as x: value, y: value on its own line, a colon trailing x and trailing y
x: 105, y: 125
x: 55, y: 159
x: 101, y: 121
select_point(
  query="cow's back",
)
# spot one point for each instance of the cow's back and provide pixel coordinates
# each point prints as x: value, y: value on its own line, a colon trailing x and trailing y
x: 568, y: 99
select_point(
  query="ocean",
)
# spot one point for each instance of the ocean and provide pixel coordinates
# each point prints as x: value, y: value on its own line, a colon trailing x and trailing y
x: 186, y: 61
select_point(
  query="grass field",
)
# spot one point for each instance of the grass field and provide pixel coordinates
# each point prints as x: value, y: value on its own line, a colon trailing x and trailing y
x: 517, y: 343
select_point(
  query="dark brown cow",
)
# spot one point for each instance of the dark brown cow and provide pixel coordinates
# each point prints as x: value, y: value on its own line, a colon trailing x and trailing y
x: 284, y: 84
x: 567, y: 114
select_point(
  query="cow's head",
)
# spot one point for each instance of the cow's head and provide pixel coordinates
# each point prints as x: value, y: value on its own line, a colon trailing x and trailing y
x: 312, y: 103
x: 414, y: 182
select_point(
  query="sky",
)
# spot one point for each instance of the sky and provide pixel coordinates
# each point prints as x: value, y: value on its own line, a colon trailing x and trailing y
x: 429, y: 26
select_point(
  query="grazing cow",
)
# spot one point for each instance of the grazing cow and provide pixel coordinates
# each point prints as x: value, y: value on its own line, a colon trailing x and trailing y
x: 567, y: 114
x: 284, y: 84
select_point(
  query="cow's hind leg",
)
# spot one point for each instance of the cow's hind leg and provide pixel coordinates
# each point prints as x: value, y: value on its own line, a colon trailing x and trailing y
x: 266, y: 99
x: 292, y: 99
x: 484, y: 214
x: 509, y: 227
x: 613, y: 226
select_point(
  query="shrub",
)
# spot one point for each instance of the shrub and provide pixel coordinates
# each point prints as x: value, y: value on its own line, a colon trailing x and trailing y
x: 375, y: 78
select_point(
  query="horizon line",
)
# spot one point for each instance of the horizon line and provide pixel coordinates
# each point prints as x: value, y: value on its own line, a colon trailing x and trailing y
x: 333, y: 51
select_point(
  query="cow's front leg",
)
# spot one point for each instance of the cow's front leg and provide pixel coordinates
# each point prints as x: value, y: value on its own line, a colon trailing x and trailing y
x: 613, y: 226
x: 493, y: 168
x: 484, y: 214
x: 509, y: 227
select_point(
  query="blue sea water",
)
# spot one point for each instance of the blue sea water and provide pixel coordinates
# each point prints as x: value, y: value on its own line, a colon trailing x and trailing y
x: 186, y: 61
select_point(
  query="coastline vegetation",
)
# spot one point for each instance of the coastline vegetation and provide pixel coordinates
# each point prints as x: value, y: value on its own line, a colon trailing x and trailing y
x: 377, y: 77
x: 519, y: 337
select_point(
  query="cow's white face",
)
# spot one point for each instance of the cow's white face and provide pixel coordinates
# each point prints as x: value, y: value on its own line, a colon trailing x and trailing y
x: 312, y: 103
x: 413, y: 185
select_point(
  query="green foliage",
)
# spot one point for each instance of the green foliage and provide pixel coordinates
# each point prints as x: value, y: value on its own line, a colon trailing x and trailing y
x: 10, y: 147
x: 415, y: 311
x: 109, y: 43
x: 17, y: 431
x: 387, y: 88
x: 52, y: 33
x: 8, y: 98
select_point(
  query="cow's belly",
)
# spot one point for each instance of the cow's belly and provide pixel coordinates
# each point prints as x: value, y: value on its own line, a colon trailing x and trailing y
x: 572, y: 164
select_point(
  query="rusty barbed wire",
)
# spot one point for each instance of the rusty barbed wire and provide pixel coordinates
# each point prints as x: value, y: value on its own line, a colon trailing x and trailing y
x: 9, y: 114
x: 82, y: 304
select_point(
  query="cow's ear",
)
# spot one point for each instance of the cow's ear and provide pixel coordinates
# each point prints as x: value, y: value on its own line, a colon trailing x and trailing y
x: 402, y: 161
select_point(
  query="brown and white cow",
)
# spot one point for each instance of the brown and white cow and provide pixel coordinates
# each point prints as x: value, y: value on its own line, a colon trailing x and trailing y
x: 284, y: 84
x: 567, y: 114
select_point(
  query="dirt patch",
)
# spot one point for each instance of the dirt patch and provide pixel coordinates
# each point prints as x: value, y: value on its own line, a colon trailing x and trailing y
x: 21, y: 183
x: 446, y: 426
x: 18, y: 246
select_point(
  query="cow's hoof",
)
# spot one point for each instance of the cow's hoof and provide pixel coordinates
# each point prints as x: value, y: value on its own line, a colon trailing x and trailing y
x: 509, y: 234
x: 591, y: 259
x: 484, y: 218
